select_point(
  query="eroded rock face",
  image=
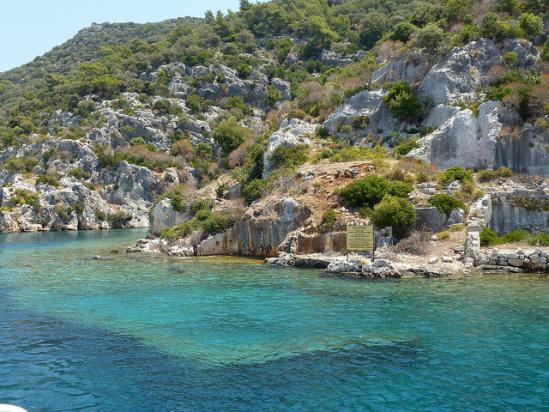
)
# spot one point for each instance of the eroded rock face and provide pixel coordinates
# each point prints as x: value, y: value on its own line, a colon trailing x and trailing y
x: 412, y: 69
x: 520, y: 209
x: 292, y: 132
x: 467, y: 69
x: 259, y: 232
x: 464, y: 140
x: 163, y: 215
x: 525, y: 154
x: 365, y: 112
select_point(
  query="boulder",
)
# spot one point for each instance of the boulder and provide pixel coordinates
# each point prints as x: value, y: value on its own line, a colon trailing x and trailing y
x: 292, y: 132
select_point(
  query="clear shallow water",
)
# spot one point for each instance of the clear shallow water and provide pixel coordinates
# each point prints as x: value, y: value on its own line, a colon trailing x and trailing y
x: 149, y: 333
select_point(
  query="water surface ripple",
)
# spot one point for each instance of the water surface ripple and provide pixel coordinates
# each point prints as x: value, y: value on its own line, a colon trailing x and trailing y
x: 147, y: 333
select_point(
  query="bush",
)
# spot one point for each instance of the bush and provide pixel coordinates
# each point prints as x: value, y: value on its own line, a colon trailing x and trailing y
x: 24, y: 197
x: 443, y: 235
x: 79, y: 174
x: 244, y: 70
x: 200, y: 205
x: 396, y: 212
x: 430, y: 37
x: 286, y: 157
x: 446, y: 203
x: 455, y: 173
x: 177, y: 200
x: 329, y: 220
x: 229, y: 134
x: 400, y: 189
x: 367, y: 191
x: 51, y: 179
x: 488, y: 237
x: 402, y: 32
x: 406, y: 147
x: 254, y: 190
x: 488, y: 175
x: 402, y: 101
x: 531, y: 24
x: 195, y: 104
x: 20, y: 164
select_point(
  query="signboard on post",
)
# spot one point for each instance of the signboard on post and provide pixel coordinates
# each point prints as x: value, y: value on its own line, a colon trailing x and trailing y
x: 360, y: 239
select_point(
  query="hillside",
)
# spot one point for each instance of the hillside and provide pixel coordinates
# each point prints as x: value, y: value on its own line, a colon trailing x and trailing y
x: 210, y: 129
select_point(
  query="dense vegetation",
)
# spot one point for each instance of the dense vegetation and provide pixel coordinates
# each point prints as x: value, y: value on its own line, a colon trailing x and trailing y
x: 283, y: 40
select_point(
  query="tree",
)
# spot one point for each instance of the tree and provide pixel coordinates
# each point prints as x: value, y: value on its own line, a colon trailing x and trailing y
x: 402, y: 101
x: 402, y: 31
x: 430, y: 37
x: 396, y: 212
x: 508, y: 6
x: 531, y: 24
x: 367, y: 191
x: 374, y: 26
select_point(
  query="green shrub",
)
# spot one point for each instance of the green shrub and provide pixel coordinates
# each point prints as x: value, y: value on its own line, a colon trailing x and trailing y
x: 458, y: 227
x: 446, y: 203
x: 244, y: 70
x: 215, y: 223
x: 488, y: 237
x: 286, y: 157
x: 402, y: 101
x: 229, y: 134
x: 51, y: 179
x: 330, y: 218
x: 179, y: 231
x: 406, y: 147
x: 201, y: 204
x: 196, y: 104
x: 24, y: 197
x: 136, y: 141
x: 79, y: 173
x: 443, y: 235
x: 402, y: 31
x: 273, y: 96
x: 254, y: 190
x: 177, y: 200
x: 430, y: 37
x: 488, y: 175
x: 367, y: 191
x: 510, y: 57
x: 396, y: 212
x: 531, y: 24
x: 20, y: 164
x: 455, y: 173
x: 400, y: 189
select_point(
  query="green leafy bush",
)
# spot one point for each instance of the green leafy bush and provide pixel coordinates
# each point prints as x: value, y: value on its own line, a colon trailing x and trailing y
x: 24, y: 197
x: 51, y: 179
x: 406, y: 147
x: 402, y: 101
x: 229, y: 134
x: 488, y: 175
x: 396, y: 212
x: 367, y: 191
x: 446, y: 203
x: 287, y: 157
x: 400, y: 189
x: 79, y: 173
x: 402, y: 31
x: 487, y: 237
x: 254, y: 190
x: 455, y: 173
x: 531, y: 24
x: 19, y: 164
x: 330, y: 218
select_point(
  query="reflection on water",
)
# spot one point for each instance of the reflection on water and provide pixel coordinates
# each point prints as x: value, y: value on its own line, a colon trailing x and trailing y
x: 146, y: 332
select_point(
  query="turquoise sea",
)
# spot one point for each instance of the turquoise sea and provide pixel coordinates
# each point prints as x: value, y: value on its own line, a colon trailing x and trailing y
x: 134, y: 332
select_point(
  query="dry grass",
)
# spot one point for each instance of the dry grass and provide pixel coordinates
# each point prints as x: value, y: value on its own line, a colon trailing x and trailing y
x: 415, y: 244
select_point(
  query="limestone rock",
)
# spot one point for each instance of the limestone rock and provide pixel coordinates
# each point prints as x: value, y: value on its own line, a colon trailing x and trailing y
x: 292, y: 132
